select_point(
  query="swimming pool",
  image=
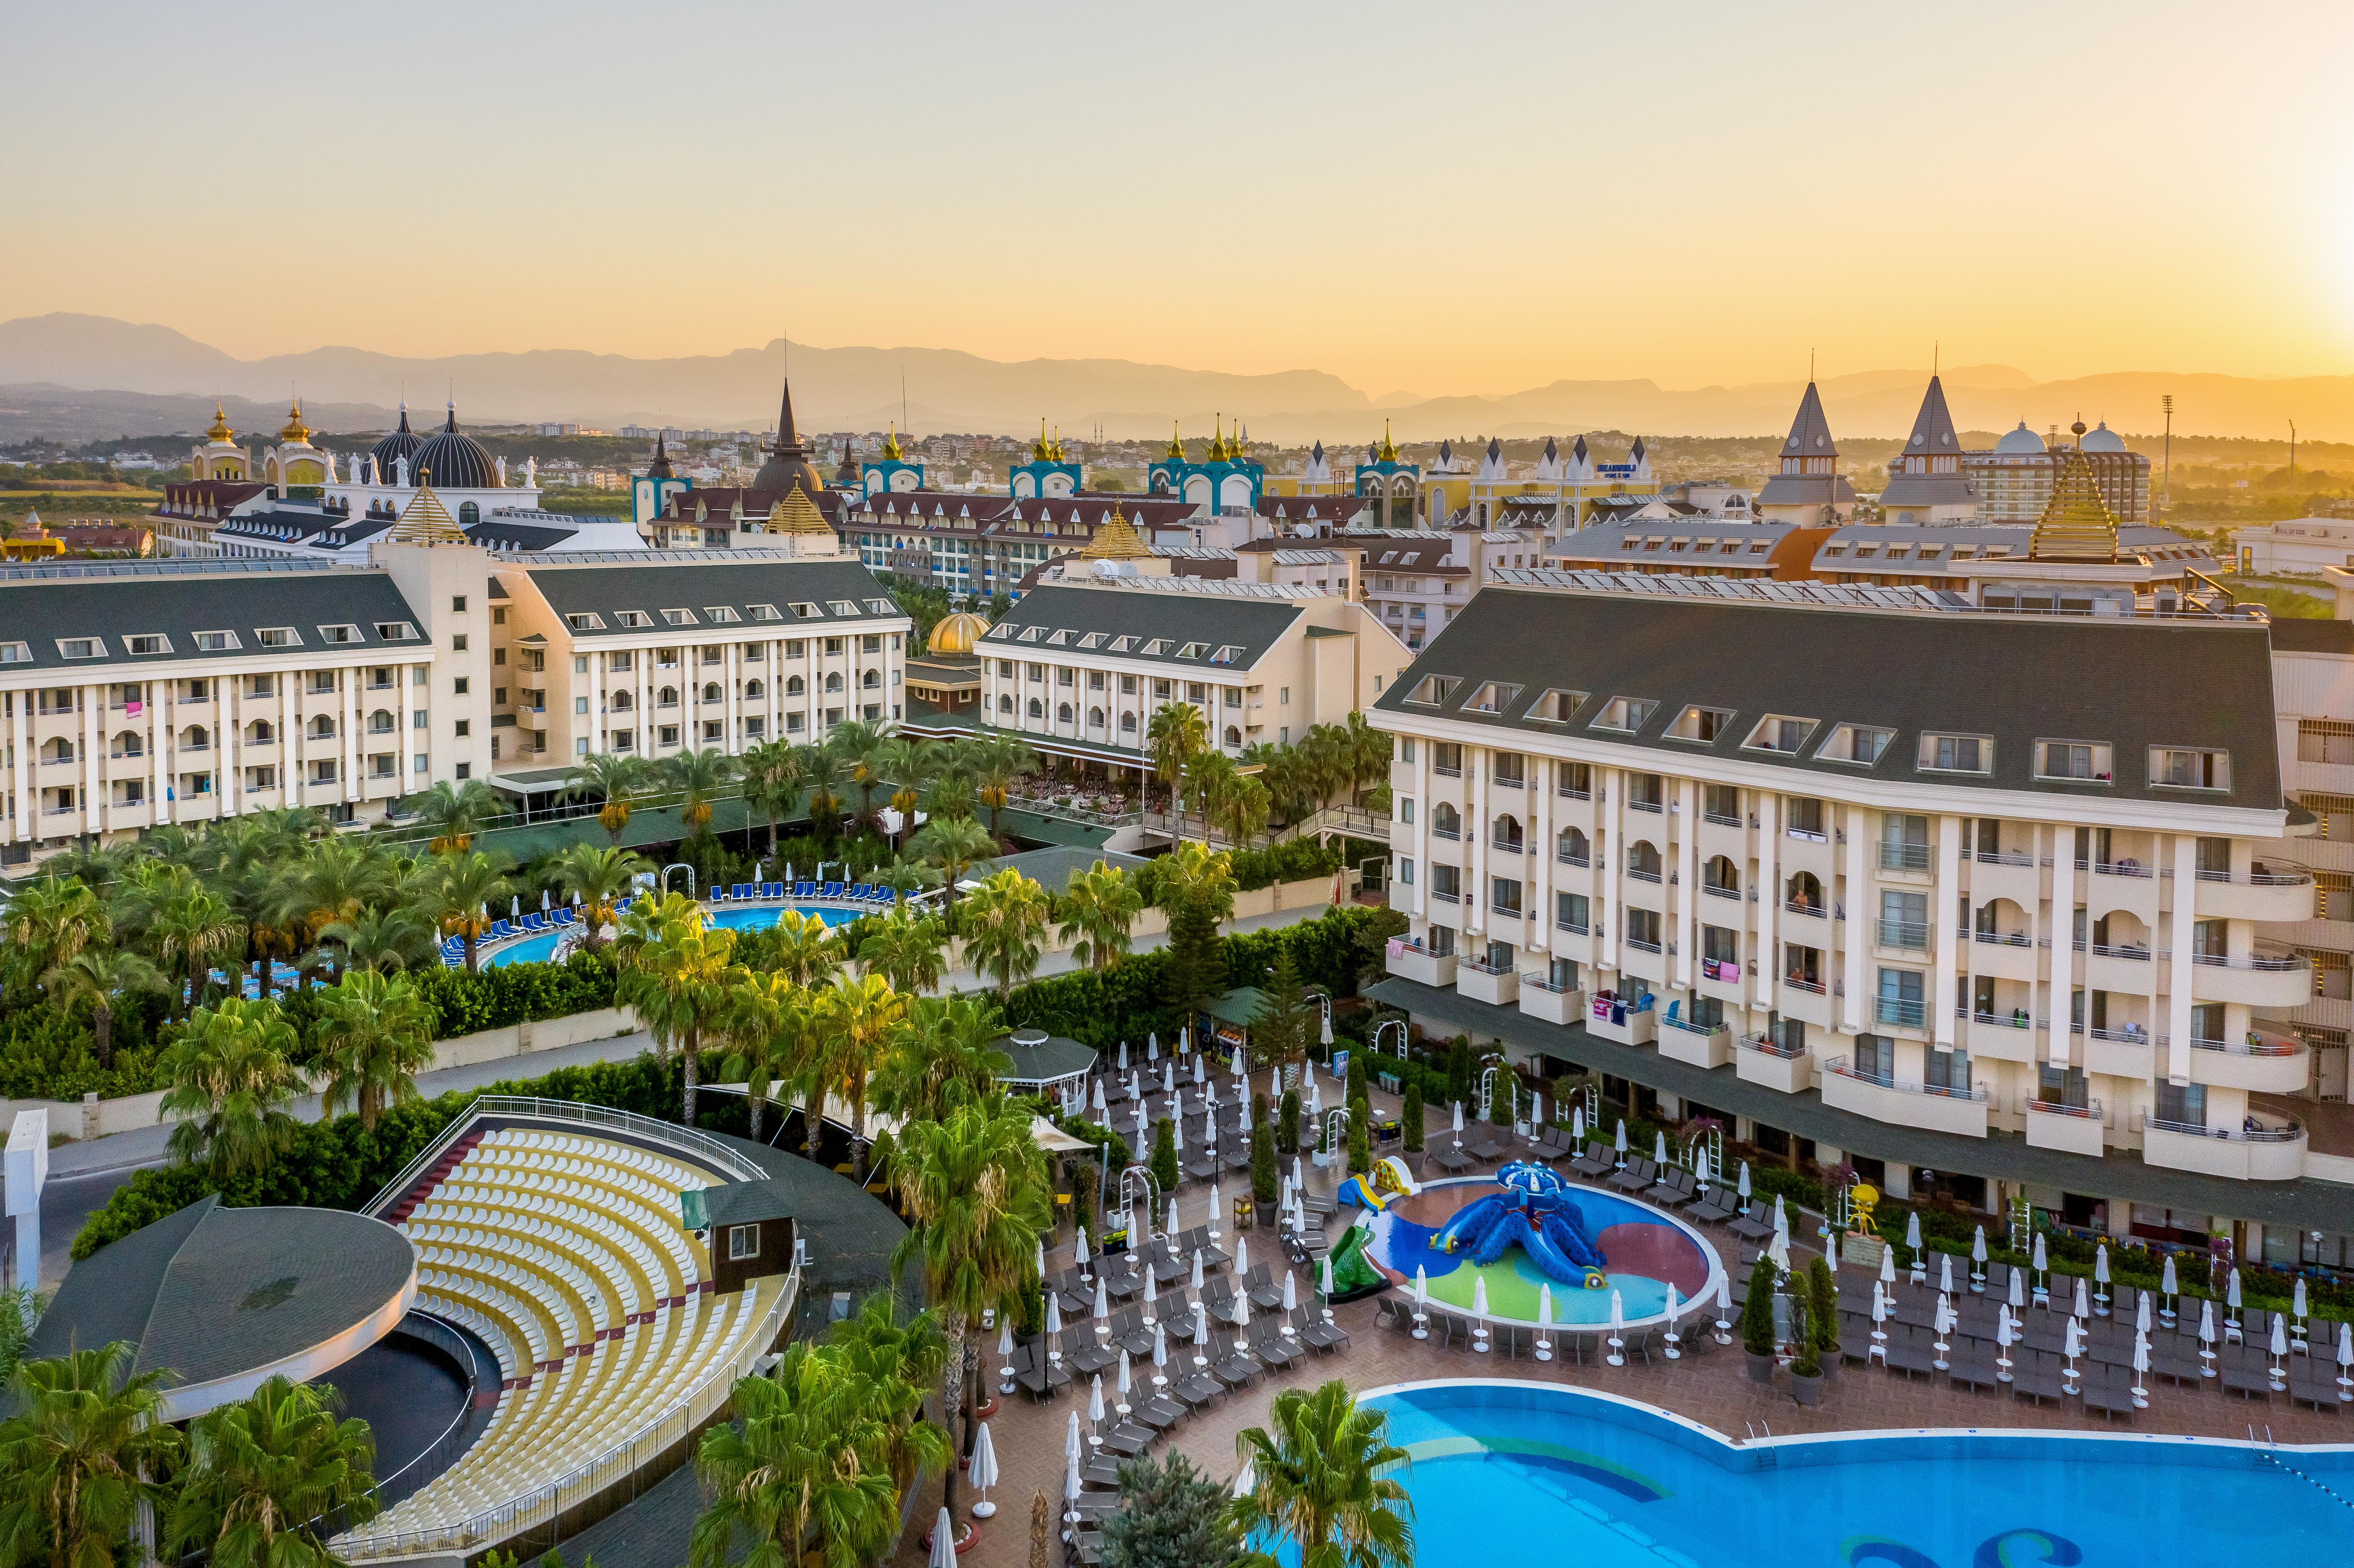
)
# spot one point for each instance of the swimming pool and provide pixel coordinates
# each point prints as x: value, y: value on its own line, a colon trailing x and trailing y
x: 1645, y: 1249
x: 539, y: 947
x: 1513, y: 1473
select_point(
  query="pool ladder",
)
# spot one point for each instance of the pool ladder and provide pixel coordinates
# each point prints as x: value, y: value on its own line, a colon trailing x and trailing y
x: 2267, y: 1453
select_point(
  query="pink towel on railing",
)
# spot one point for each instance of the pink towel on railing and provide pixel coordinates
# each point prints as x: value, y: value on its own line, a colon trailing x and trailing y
x: 1393, y: 948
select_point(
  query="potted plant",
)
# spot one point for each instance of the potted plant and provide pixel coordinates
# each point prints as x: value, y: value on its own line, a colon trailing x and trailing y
x: 1823, y: 1313
x: 1758, y: 1322
x: 1806, y: 1366
x: 1410, y: 1124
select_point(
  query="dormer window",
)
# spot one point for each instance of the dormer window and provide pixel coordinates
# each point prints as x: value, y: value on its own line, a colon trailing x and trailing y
x: 139, y: 642
x: 637, y: 620
x: 1700, y: 723
x: 1779, y: 733
x: 720, y: 615
x: 678, y: 618
x: 2188, y: 768
x: 1228, y: 654
x: 1060, y: 638
x: 81, y: 647
x: 1192, y: 650
x: 1433, y: 691
x: 1123, y: 644
x: 766, y: 612
x: 1092, y: 639
x: 1557, y: 705
x: 1625, y: 714
x: 394, y: 631
x: 335, y: 635
x: 1033, y: 634
x: 1493, y: 698
x: 1157, y: 649
x: 583, y: 620
x: 1956, y: 753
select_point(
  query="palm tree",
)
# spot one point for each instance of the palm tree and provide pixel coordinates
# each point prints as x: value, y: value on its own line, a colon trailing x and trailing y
x: 1097, y: 910
x: 998, y: 764
x: 908, y: 951
x: 975, y: 1188
x: 904, y: 876
x: 599, y: 878
x: 381, y: 939
x: 854, y: 1018
x: 77, y: 1455
x: 1176, y: 734
x: 50, y: 920
x: 613, y: 779
x: 861, y: 750
x: 699, y: 775
x: 1002, y: 923
x: 340, y: 879
x: 807, y: 949
x: 231, y: 1077
x: 764, y: 1017
x: 955, y: 845
x: 263, y: 1476
x: 374, y: 1034
x: 945, y: 1053
x: 902, y: 1359
x: 1210, y: 778
x: 1242, y: 808
x: 456, y: 812
x: 773, y: 775
x: 1369, y: 752
x: 1195, y: 876
x: 463, y: 894
x: 94, y: 864
x: 101, y: 974
x: 908, y: 763
x: 1321, y: 1484
x: 190, y: 932
x: 676, y: 973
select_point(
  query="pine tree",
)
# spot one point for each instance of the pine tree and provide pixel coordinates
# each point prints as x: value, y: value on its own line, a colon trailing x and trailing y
x: 1286, y: 1129
x: 1412, y: 1117
x: 1360, y: 1117
x: 1356, y: 1075
x: 1171, y: 1516
x: 1164, y: 1155
x: 1459, y: 1073
x: 1264, y: 1182
x: 1757, y: 1310
x: 1278, y: 1026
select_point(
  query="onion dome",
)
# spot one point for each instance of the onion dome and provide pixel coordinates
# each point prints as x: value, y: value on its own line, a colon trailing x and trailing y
x: 296, y: 432
x: 2102, y: 440
x: 2021, y: 442
x: 401, y: 444
x: 219, y: 431
x: 454, y: 461
x: 957, y: 633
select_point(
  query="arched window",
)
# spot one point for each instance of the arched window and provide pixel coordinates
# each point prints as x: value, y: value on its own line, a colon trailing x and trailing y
x: 1004, y: 705
x: 380, y: 722
x: 1573, y: 846
x: 1094, y: 718
x: 755, y: 690
x: 1062, y: 713
x: 872, y: 679
x: 667, y: 697
x: 833, y: 682
x: 711, y: 692
x: 1128, y: 724
x: 127, y: 744
x: 1643, y: 859
x: 793, y: 687
x: 621, y: 700
x: 322, y: 728
x: 469, y: 515
x: 1037, y: 708
x: 1806, y: 893
x: 1446, y: 821
x: 1234, y: 734
x: 1721, y: 875
x: 259, y: 733
x: 1508, y: 833
x: 196, y: 737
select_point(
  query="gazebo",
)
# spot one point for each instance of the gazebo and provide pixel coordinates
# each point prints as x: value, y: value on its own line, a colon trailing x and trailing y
x: 1045, y: 1064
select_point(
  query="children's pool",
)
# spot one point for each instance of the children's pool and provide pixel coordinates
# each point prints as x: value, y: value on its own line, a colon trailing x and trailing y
x: 1514, y: 1473
x: 538, y: 948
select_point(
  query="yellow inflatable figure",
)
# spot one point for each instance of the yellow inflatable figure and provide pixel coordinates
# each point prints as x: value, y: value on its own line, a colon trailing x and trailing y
x: 1862, y: 1198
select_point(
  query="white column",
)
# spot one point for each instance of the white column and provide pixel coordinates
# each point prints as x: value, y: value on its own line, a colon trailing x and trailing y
x: 290, y: 734
x: 1858, y: 893
x: 1686, y: 828
x: 775, y: 679
x: 2064, y: 936
x: 1478, y: 765
x: 1942, y: 918
x: 733, y: 691
x: 159, y: 746
x: 644, y: 677
x: 349, y: 679
x: 1419, y: 837
x: 1543, y: 779
x: 600, y: 719
x: 1608, y: 853
x: 230, y: 743
x: 2179, y: 967
x: 1769, y: 888
x: 93, y: 749
x: 27, y: 820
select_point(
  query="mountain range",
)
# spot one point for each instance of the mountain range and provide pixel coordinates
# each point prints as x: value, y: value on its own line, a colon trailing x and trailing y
x: 77, y: 377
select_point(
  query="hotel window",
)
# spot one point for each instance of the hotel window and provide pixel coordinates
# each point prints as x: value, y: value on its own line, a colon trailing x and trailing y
x: 2182, y: 768
x: 1859, y: 743
x: 1627, y: 714
x: 1492, y: 697
x: 2077, y: 759
x: 1778, y: 734
x: 1507, y: 769
x: 1697, y: 723
x: 1957, y: 753
x: 1569, y: 912
x: 1432, y: 691
x: 1556, y: 705
x: 1447, y: 759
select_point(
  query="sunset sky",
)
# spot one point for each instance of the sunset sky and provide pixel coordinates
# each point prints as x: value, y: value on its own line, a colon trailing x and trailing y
x: 1418, y: 199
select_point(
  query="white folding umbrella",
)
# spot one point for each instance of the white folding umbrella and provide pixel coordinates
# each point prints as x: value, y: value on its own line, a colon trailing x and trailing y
x: 1126, y: 1382
x: 1978, y: 1260
x: 1291, y: 1291
x: 2345, y: 1362
x: 1151, y: 1294
x: 1296, y: 1174
x: 1095, y: 1403
x: 2042, y: 1272
x: 1307, y: 1071
x: 2167, y: 1287
x: 1200, y: 1077
x: 1617, y: 1331
x: 1421, y: 1302
x: 2207, y: 1338
x: 1072, y: 1445
x: 1577, y: 1124
x: 1946, y: 1274
x: 983, y: 1474
x: 1781, y: 1215
x: 1283, y: 1195
x: 1945, y: 1321
x: 1171, y: 1232
x: 1725, y: 1308
x: 1741, y: 1187
x: 1315, y: 1100
x: 1479, y: 1311
x: 1103, y: 1106
x: 1242, y: 1256
x: 2141, y: 1369
x: 1324, y: 1280
x: 2280, y: 1350
x: 2082, y: 1308
x: 1243, y: 1123
x: 1184, y: 1042
x: 1123, y: 1055
x: 2101, y: 1278
x: 1544, y: 1322
x: 2232, y: 1303
x: 1913, y: 1245
x: 2018, y: 1290
x: 1622, y: 1143
x: 1196, y: 1280
x: 2141, y: 1311
x: 2071, y: 1345
x: 1160, y: 1355
x: 1778, y: 1247
x: 1200, y: 1333
x: 1103, y: 1308
x: 1242, y: 1310
x: 2002, y: 1338
x: 2297, y: 1306
x: 1071, y: 1484
x: 1169, y: 1077
x: 1887, y: 1269
x: 1152, y: 1047
x: 943, y: 1542
x: 1658, y: 1147
x: 1080, y: 1250
x: 1536, y: 1109
x: 1459, y: 1123
x: 1675, y: 1311
x: 1830, y: 1253
x: 1215, y: 1209
x: 1879, y: 1317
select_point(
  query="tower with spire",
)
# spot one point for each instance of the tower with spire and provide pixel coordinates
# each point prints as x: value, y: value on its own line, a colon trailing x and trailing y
x: 220, y: 457
x: 1227, y: 479
x: 293, y: 469
x: 1392, y: 484
x: 650, y: 492
x: 1806, y: 487
x: 1048, y: 473
x: 1925, y: 483
x: 889, y: 470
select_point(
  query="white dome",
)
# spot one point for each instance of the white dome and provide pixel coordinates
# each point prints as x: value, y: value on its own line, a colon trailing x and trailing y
x: 2022, y: 442
x: 2101, y: 438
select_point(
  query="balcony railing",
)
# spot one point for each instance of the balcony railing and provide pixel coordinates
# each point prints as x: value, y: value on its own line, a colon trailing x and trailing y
x: 2003, y: 940
x: 1565, y: 858
x: 1904, y: 934
x: 2121, y: 868
x: 1446, y: 772
x: 1444, y: 897
x: 1713, y: 891
x: 2256, y: 1048
x: 1511, y: 911
x: 1501, y: 782
x: 1641, y: 875
x: 1993, y: 857
x: 2140, y: 954
x: 1569, y: 792
x: 1840, y: 1066
x: 2263, y: 963
x: 1509, y: 846
x: 1904, y: 857
x: 1689, y: 1027
x: 1720, y: 819
x: 1801, y: 907
x: 1999, y: 1020
x: 1900, y: 1012
x: 1766, y: 1045
x: 1800, y: 982
x: 2260, y: 1134
x: 2260, y: 878
x: 2089, y: 1111
x: 2133, y: 1035
x: 1574, y: 927
x: 1653, y: 806
x: 1476, y: 967
x: 1641, y: 946
x: 1452, y: 835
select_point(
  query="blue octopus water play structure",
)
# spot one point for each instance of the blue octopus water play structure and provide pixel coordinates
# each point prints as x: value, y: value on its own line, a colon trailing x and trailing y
x: 1534, y: 1212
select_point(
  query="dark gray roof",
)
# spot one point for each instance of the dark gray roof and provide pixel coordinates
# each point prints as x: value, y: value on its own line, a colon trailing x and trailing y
x: 1051, y: 866
x: 42, y: 611
x: 210, y: 1292
x: 734, y: 1203
x: 1043, y: 1061
x: 1805, y: 490
x: 2303, y: 634
x: 1927, y: 490
x: 2018, y: 679
x: 1933, y: 428
x: 1213, y: 619
x: 739, y: 580
x: 1810, y: 433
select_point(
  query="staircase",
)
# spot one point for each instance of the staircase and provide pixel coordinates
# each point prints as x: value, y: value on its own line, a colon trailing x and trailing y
x: 433, y: 1176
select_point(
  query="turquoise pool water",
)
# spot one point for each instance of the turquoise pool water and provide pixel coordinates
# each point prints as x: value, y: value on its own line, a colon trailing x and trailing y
x: 537, y: 949
x: 1510, y: 1474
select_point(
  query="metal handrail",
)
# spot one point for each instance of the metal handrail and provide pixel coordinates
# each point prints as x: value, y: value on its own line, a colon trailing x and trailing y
x: 1583, y: 862
x: 1804, y: 984
x: 1689, y: 1027
x: 1645, y: 806
x: 2262, y: 962
x: 1766, y: 1044
x: 737, y: 1165
x: 2288, y: 1134
x: 1904, y: 857
x: 1641, y: 875
x: 1715, y: 891
x: 1840, y: 1065
x: 2089, y: 1111
x: 1478, y: 968
x: 1997, y: 938
x: 1913, y: 934
x: 1796, y: 907
x: 2259, y: 878
x: 2250, y: 1047
x: 2120, y: 868
x: 1641, y: 946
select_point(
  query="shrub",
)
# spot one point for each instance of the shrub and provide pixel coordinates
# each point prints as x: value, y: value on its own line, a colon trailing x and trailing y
x: 1824, y: 1292
x: 1410, y: 1115
x: 1361, y: 1157
x: 1294, y: 860
x: 1804, y: 1362
x: 1460, y: 1075
x: 1757, y: 1310
x: 1164, y: 1155
x: 1265, y: 1184
x: 1287, y: 1126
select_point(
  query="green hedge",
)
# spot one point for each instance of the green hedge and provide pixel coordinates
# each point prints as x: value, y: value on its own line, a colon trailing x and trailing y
x: 1294, y: 860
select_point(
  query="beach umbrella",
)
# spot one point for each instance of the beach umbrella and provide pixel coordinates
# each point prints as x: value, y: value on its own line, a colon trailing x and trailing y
x: 543, y: 901
x: 1159, y: 1354
x: 515, y: 909
x: 1040, y: 1262
x: 1658, y: 1147
x: 1978, y: 1260
x: 1242, y: 1122
x: 1536, y: 1109
x: 1830, y: 1254
x: 1200, y: 1077
x: 943, y: 1542
x: 1095, y: 1401
x: 1151, y: 1294
x: 1127, y: 1379
x: 1307, y: 1071
x: 2002, y: 1338
x: 1741, y: 1186
x: 1617, y: 1331
x: 1421, y: 1301
x: 1169, y: 1078
x: 1913, y: 1244
x: 1196, y: 1281
x: 1324, y: 1279
x: 1723, y: 1309
x: 2345, y: 1361
x: 1235, y: 1067
x: 2232, y: 1304
x: 1103, y: 1107
x: 1887, y: 1269
x: 1577, y: 1124
x: 2043, y: 1268
x: 1298, y: 1212
x: 1283, y: 1195
x: 2141, y: 1312
x: 1946, y: 1274
x: 2168, y: 1288
x: 2083, y: 1309
x: 1054, y: 1323
x: 1275, y: 1085
x: 1123, y: 1055
x: 1242, y: 1255
x: 1103, y: 1306
x: 1945, y: 1321
x: 1621, y: 1140
x: 1184, y: 1042
x: 1071, y: 1482
x: 2101, y: 1278
x: 1291, y: 1291
x: 1675, y: 1312
x: 1201, y: 1332
x: 1480, y: 1309
x: 1072, y: 1445
x: 2018, y: 1290
x: 1781, y: 1215
x: 2071, y: 1345
x: 1245, y: 1479
x: 1080, y: 1250
x: 1214, y: 1210
x: 1152, y: 1046
x: 1242, y: 1310
x: 1544, y: 1322
x: 1296, y: 1175
x: 1139, y: 1139
x: 2207, y: 1338
x: 1459, y: 1123
x: 983, y: 1474
x: 1315, y: 1100
x: 2279, y: 1349
x: 1172, y: 1217
x: 2297, y: 1305
x: 1879, y: 1317
x: 1778, y: 1247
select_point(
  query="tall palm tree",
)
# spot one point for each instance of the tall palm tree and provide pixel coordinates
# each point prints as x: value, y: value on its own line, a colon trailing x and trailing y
x: 456, y: 813
x: 340, y: 879
x: 263, y: 1476
x: 807, y: 949
x: 908, y: 951
x: 955, y: 846
x: 1242, y: 808
x: 1320, y: 1465
x: 1209, y: 779
x: 700, y: 775
x: 94, y: 864
x: 945, y: 1053
x: 462, y: 893
x: 901, y: 1360
x: 975, y: 1187
x: 1000, y: 763
x: 774, y: 772
x: 904, y: 876
x: 764, y: 1016
x: 1001, y: 922
x: 676, y: 973
x: 1195, y: 876
x: 599, y: 878
x: 1097, y: 911
x: 230, y: 1076
x: 50, y: 921
x: 854, y: 1017
x: 1176, y: 734
x: 374, y: 1034
x: 613, y: 779
x: 1370, y: 751
x: 908, y: 763
x: 78, y: 1455
x: 99, y: 975
x: 190, y: 932
x: 381, y: 939
x: 861, y: 749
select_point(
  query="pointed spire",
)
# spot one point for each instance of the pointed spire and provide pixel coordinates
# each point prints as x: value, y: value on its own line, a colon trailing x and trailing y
x: 1552, y: 452
x: 1176, y: 444
x: 404, y: 416
x: 1810, y: 432
x: 1933, y: 428
x: 220, y: 430
x: 1636, y: 452
x: 1578, y: 453
x: 660, y: 467
x: 295, y: 431
x: 788, y: 439
x: 2076, y: 524
x: 449, y: 426
x: 1116, y: 539
x: 1318, y: 453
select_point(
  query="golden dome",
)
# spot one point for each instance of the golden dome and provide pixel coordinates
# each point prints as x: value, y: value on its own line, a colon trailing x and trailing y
x: 891, y: 449
x: 220, y: 430
x: 957, y: 633
x: 1176, y: 444
x: 295, y: 431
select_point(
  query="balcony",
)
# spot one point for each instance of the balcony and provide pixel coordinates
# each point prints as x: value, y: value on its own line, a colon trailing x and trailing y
x: 1411, y: 960
x: 1808, y: 1001
x: 1909, y: 935
x: 1654, y: 807
x: 1509, y: 846
x: 1719, y: 820
x: 2120, y: 1053
x: 2133, y: 868
x: 2002, y: 1036
x: 2005, y: 954
x: 1802, y: 906
x: 2259, y: 980
x: 2114, y: 968
x: 1961, y: 1111
x: 1904, y: 857
x: 2273, y: 1150
x: 1715, y: 891
x: 1762, y: 1059
x: 2074, y: 1129
x: 1630, y: 1028
x: 1900, y: 1013
x: 1451, y: 835
x: 2268, y: 1064
x: 1699, y: 1045
x: 1447, y: 895
x: 2258, y: 895
x: 1484, y: 982
x: 1635, y: 873
x: 1539, y: 998
x: 1579, y: 861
